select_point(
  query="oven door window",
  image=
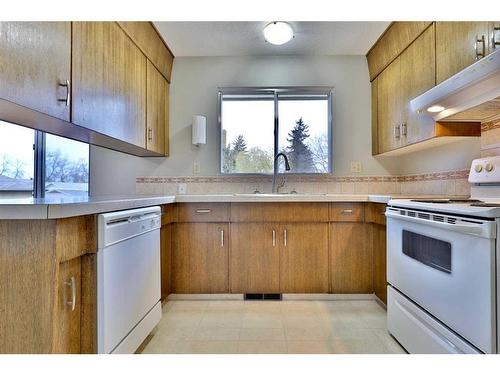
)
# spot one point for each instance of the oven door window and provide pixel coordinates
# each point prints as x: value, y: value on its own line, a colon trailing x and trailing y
x: 429, y: 251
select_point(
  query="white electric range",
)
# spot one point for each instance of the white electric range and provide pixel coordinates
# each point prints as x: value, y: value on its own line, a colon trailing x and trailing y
x: 442, y: 268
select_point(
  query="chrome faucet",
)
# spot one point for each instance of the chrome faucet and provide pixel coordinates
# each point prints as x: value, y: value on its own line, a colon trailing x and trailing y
x: 287, y: 167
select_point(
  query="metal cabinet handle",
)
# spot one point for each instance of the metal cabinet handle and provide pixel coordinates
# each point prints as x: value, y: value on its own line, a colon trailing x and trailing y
x: 482, y: 53
x: 347, y: 211
x: 404, y: 129
x: 494, y: 42
x: 222, y: 238
x: 72, y: 284
x: 285, y: 236
x: 203, y: 211
x: 397, y: 131
x: 66, y: 100
x: 150, y: 134
x: 274, y: 238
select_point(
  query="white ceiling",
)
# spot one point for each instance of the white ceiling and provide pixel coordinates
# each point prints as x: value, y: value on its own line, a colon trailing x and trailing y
x: 246, y: 38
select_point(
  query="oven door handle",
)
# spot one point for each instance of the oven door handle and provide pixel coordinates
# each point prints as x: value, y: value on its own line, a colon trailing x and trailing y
x: 475, y: 229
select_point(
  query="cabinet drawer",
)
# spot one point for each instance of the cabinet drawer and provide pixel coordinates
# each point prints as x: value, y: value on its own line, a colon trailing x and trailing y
x: 273, y: 212
x: 203, y: 212
x: 348, y: 212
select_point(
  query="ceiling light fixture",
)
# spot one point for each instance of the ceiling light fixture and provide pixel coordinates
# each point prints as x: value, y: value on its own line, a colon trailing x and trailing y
x: 435, y: 108
x: 278, y: 33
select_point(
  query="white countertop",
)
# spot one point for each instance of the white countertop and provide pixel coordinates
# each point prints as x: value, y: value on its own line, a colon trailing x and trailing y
x: 54, y: 208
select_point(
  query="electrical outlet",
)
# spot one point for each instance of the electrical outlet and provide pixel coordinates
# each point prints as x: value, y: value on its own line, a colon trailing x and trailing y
x: 356, y: 166
x: 182, y: 189
x: 196, y: 168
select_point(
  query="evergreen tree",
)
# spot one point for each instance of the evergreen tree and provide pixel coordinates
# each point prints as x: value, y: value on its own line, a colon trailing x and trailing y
x: 299, y: 154
x: 239, y: 144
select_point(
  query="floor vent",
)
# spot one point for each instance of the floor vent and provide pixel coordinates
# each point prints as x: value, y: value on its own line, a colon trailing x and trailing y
x: 262, y: 297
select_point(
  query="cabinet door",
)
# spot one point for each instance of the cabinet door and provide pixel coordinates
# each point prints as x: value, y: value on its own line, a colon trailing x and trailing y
x: 35, y: 57
x: 157, y: 111
x: 417, y: 76
x: 351, y: 258
x: 494, y: 36
x: 255, y: 258
x: 66, y: 337
x: 200, y: 258
x: 374, y: 89
x: 379, y: 261
x: 109, y: 82
x: 304, y: 258
x: 389, y: 107
x: 458, y: 45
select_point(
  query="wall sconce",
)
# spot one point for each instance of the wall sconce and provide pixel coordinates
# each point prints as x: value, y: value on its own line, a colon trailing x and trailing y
x: 199, y: 130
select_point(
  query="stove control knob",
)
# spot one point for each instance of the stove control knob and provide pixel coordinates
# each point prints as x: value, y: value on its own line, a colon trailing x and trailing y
x: 478, y: 168
x: 488, y: 167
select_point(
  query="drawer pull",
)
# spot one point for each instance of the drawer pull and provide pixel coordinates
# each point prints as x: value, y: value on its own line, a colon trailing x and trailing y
x: 347, y: 211
x: 203, y: 211
x: 285, y: 235
x: 274, y: 238
x: 67, y: 99
x: 480, y: 53
x: 72, y: 283
x: 222, y: 238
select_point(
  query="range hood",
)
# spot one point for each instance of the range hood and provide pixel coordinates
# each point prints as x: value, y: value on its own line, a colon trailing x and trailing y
x: 470, y: 95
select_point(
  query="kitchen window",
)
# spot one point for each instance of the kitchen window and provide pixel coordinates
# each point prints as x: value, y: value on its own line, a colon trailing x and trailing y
x: 257, y: 123
x: 37, y: 164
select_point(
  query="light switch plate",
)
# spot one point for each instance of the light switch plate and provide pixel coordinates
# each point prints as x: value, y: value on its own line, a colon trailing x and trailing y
x: 356, y: 166
x: 196, y: 168
x: 182, y: 189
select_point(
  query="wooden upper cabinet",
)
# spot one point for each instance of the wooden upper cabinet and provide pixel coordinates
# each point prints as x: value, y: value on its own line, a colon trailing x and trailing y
x: 255, y: 258
x: 157, y: 111
x: 109, y: 82
x: 374, y: 88
x: 458, y: 45
x: 417, y: 76
x: 389, y: 107
x: 201, y: 258
x: 304, y: 258
x: 151, y: 44
x: 394, y: 40
x: 35, y: 63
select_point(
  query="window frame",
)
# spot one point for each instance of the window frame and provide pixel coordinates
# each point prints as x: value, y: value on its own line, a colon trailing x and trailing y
x: 307, y: 93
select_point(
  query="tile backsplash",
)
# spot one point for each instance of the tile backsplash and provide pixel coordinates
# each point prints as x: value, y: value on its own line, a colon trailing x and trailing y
x: 440, y: 183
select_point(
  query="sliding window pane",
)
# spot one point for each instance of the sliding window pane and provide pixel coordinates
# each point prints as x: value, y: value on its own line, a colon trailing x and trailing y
x: 304, y: 134
x: 17, y: 163
x: 66, y: 167
x: 247, y: 135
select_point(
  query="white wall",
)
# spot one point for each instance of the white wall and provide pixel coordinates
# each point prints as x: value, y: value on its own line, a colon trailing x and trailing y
x: 194, y: 91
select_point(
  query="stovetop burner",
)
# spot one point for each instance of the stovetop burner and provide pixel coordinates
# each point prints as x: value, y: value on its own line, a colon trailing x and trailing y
x: 451, y: 200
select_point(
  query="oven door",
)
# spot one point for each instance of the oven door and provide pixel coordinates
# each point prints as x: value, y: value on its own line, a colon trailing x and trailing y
x: 446, y: 265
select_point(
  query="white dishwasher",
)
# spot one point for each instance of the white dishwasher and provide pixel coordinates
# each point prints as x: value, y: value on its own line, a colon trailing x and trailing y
x: 128, y: 278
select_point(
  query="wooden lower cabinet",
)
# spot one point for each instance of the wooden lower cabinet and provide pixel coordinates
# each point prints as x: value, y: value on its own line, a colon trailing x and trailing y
x: 200, y: 261
x: 68, y: 308
x: 255, y: 258
x: 379, y: 241
x: 166, y: 260
x: 351, y: 258
x: 304, y: 258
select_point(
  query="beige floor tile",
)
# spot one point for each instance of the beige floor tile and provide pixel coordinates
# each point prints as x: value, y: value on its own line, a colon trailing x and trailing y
x: 310, y: 347
x: 263, y: 306
x: 215, y: 333
x: 261, y: 320
x: 225, y: 306
x: 391, y: 344
x: 262, y: 347
x: 176, y: 333
x: 210, y: 347
x: 307, y: 333
x: 359, y: 346
x: 162, y: 345
x: 262, y: 334
x: 222, y: 319
x: 187, y: 306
